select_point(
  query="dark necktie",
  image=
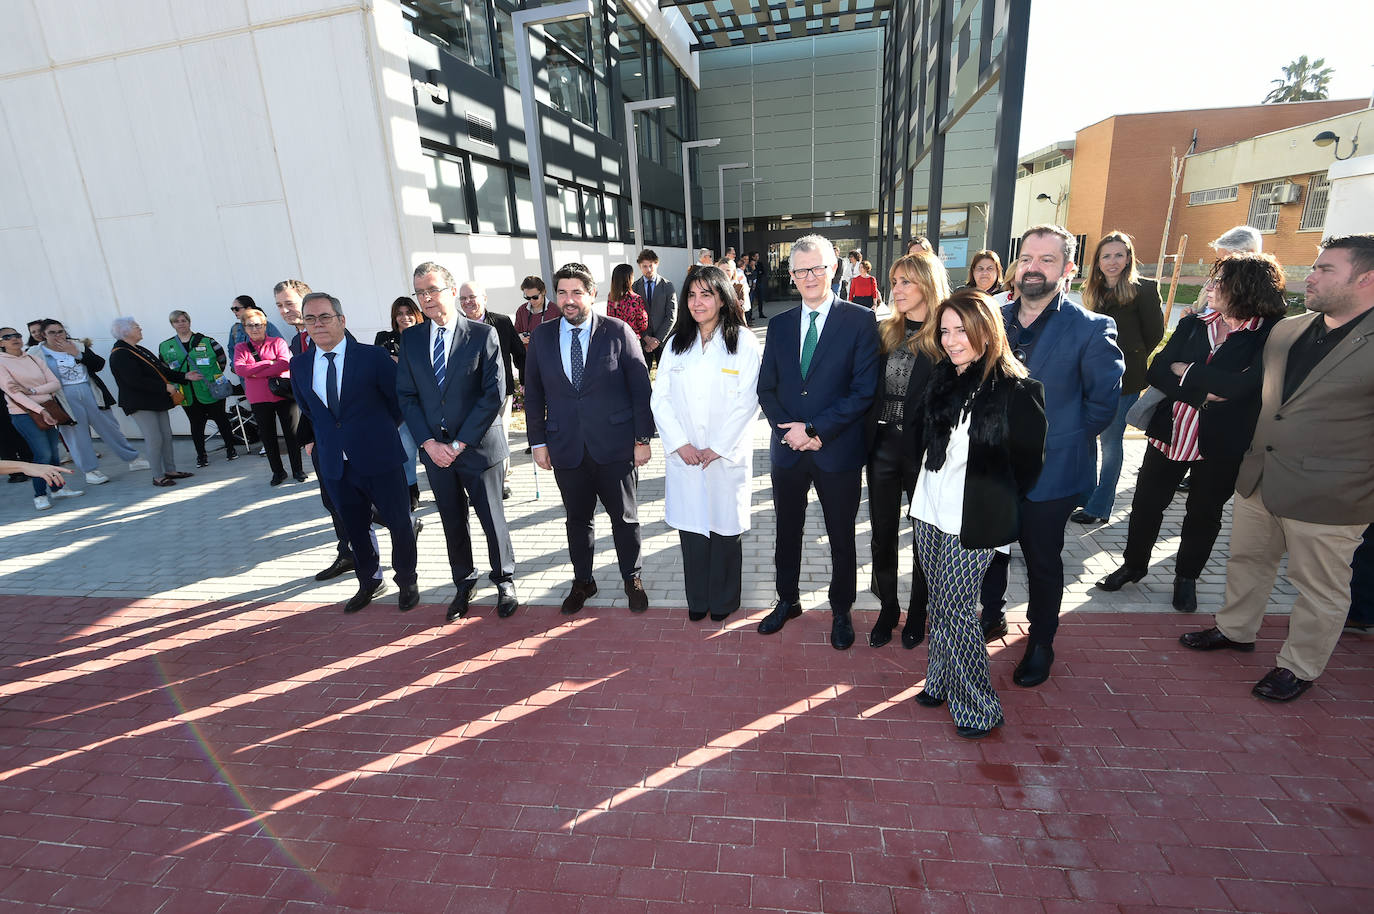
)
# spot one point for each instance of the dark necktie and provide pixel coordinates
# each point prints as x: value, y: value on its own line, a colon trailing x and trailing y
x: 649, y: 291
x: 576, y: 358
x: 440, y: 357
x: 809, y: 344
x: 331, y: 383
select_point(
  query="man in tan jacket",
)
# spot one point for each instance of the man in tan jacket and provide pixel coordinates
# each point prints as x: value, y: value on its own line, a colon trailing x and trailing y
x: 1306, y: 486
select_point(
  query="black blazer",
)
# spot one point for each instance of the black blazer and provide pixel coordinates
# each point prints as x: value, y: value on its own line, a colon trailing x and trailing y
x: 142, y: 385
x: 512, y: 348
x: 1139, y: 328
x: 915, y: 391
x: 1236, y: 372
x: 1006, y: 446
x: 468, y: 407
x: 94, y: 364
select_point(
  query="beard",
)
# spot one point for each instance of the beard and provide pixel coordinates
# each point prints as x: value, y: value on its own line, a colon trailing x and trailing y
x: 1034, y: 284
x: 1326, y: 302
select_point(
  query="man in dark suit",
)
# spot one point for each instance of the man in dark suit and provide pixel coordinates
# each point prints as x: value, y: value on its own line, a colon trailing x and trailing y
x: 817, y: 381
x: 451, y: 386
x: 587, y: 409
x: 472, y: 298
x: 347, y: 391
x: 660, y: 301
x: 1073, y: 353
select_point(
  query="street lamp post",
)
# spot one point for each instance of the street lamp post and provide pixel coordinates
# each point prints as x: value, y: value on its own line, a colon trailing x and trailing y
x: 742, y: 182
x: 522, y: 21
x: 632, y: 153
x: 687, y: 186
x: 720, y: 180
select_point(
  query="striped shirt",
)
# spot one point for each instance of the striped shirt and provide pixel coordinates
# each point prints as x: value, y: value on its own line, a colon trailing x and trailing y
x: 1184, y: 447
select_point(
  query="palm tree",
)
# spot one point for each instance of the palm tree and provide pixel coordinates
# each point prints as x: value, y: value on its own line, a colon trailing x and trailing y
x: 1302, y: 81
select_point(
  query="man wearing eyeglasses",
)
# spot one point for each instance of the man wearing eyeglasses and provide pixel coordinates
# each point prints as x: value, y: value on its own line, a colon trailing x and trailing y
x: 817, y: 381
x: 347, y: 391
x: 472, y: 298
x: 1073, y: 353
x: 451, y: 386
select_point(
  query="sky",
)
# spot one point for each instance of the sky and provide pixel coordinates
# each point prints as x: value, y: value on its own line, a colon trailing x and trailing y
x: 1090, y: 59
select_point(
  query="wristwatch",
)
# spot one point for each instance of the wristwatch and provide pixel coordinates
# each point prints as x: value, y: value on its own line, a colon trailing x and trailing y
x: 811, y: 431
x: 644, y: 441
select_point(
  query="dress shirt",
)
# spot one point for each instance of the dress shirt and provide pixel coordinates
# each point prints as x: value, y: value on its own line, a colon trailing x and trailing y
x: 321, y: 369
x: 824, y: 312
x: 1309, y: 349
x: 448, y: 338
x: 1035, y: 331
x: 565, y: 330
x: 939, y: 496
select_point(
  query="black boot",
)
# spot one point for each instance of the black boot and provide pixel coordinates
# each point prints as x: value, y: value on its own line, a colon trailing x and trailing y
x: 914, y: 632
x: 414, y: 497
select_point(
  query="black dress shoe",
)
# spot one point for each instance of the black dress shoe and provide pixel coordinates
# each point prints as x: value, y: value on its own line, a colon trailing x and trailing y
x: 1185, y: 595
x: 365, y: 595
x: 277, y: 479
x: 506, y: 600
x: 927, y: 700
x: 1211, y: 639
x: 977, y: 732
x: 841, y: 630
x: 775, y: 620
x: 505, y: 492
x: 1183, y: 484
x: 696, y: 615
x: 639, y: 600
x: 1034, y: 668
x: 1280, y: 685
x: 581, y: 591
x: 1120, y: 578
x: 458, y: 606
x: 299, y: 477
x: 1083, y: 517
x: 994, y: 629
x: 342, y: 565
x: 721, y: 617
x: 410, y: 597
x: 881, y: 634
x: 914, y: 632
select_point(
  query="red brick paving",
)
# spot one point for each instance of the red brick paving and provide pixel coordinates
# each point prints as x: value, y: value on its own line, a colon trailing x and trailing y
x: 160, y: 756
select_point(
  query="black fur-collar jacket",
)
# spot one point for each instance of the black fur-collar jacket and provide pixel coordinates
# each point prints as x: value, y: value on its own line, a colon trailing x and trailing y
x: 1006, y: 445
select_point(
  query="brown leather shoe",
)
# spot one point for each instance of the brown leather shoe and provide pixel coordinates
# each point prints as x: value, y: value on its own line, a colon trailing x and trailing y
x: 581, y: 591
x: 1212, y: 639
x: 639, y: 600
x: 1280, y: 685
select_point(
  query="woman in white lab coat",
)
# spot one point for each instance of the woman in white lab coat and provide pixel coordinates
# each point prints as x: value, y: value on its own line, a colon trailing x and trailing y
x: 705, y: 403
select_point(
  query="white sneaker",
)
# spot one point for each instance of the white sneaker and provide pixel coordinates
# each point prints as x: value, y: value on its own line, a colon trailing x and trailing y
x: 139, y: 464
x: 66, y: 492
x: 96, y: 478
x: 41, y: 502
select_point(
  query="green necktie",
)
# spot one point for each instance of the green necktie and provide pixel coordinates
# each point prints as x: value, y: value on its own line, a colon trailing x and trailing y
x: 809, y: 344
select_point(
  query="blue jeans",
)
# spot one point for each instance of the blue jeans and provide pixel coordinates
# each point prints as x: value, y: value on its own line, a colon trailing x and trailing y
x: 42, y: 442
x: 411, y: 448
x: 1102, y: 499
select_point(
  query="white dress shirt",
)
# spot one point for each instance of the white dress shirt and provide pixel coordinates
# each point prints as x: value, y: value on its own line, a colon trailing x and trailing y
x: 321, y: 370
x: 448, y: 339
x: 824, y: 312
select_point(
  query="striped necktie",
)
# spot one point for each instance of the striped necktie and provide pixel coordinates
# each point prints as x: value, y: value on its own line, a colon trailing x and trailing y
x: 440, y: 357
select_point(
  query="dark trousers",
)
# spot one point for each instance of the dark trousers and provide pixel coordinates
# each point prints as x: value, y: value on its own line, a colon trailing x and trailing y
x: 354, y: 496
x: 1214, y: 481
x: 200, y: 413
x: 614, y: 485
x: 12, y: 444
x: 892, y: 475
x: 455, y: 489
x: 651, y: 357
x: 713, y: 571
x: 838, y: 493
x: 268, y: 416
x: 340, y: 530
x: 1362, y: 581
x: 1042, y: 546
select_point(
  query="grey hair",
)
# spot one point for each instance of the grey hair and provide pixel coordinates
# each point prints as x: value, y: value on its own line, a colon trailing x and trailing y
x: 176, y: 314
x: 323, y: 296
x: 121, y: 326
x: 430, y: 266
x: 706, y: 252
x: 818, y: 243
x: 1242, y: 238
x: 477, y: 288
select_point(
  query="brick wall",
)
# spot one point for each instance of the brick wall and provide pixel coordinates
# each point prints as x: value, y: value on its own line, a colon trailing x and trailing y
x: 1294, y: 249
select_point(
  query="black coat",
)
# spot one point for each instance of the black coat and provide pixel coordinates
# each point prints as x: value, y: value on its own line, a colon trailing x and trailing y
x: 1006, y: 446
x: 915, y: 390
x: 512, y: 348
x: 95, y: 363
x: 142, y: 385
x: 1235, y: 372
x: 1139, y: 328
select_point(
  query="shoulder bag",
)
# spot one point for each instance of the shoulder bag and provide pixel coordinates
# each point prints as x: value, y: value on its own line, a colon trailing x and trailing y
x: 278, y: 386
x: 178, y: 397
x: 1143, y: 410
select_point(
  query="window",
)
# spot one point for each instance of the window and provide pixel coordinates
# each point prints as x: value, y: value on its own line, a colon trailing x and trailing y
x: 565, y: 211
x: 459, y: 28
x: 505, y: 45
x: 491, y: 184
x: 1053, y: 162
x: 1314, y: 207
x: 1264, y: 212
x: 591, y: 213
x: 630, y: 39
x: 444, y: 176
x: 1214, y: 195
x: 570, y: 85
x: 524, y: 205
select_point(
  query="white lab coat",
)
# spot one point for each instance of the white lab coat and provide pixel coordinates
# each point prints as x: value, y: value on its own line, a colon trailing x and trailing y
x: 709, y: 399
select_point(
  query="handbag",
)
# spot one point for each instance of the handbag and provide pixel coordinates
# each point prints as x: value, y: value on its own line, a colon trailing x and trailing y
x: 178, y: 397
x: 52, y: 408
x: 1140, y: 414
x: 278, y: 386
x: 221, y: 387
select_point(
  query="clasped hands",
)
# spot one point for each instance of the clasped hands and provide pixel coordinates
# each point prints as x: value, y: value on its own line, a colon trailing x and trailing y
x: 697, y: 457
x: 443, y: 454
x: 1181, y: 368
x: 797, y: 439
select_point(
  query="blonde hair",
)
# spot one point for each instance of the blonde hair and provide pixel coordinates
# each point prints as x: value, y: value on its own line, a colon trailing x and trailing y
x: 176, y: 314
x: 929, y: 274
x: 983, y: 327
x: 1096, y: 292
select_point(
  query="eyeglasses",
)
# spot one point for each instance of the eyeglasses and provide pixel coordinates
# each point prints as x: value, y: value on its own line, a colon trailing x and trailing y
x: 467, y: 298
x: 533, y: 297
x: 817, y: 272
x: 250, y: 326
x: 318, y: 319
x: 11, y: 336
x: 1023, y: 339
x: 236, y: 307
x: 422, y: 294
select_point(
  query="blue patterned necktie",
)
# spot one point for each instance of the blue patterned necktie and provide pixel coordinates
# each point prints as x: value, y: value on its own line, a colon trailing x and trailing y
x: 440, y: 357
x: 331, y: 383
x: 809, y: 344
x: 576, y: 358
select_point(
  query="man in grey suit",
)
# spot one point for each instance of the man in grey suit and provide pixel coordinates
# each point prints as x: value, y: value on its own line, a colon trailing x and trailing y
x: 451, y: 385
x: 660, y: 301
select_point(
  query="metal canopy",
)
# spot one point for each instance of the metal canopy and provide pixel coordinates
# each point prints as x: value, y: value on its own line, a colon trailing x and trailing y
x: 727, y: 23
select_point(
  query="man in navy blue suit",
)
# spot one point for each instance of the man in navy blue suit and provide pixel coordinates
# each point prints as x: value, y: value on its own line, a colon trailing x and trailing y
x: 587, y: 410
x: 817, y: 381
x: 348, y: 392
x: 451, y: 386
x: 1073, y: 353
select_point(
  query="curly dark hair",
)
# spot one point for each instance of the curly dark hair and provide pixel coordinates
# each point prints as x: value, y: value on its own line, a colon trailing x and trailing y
x: 1252, y: 284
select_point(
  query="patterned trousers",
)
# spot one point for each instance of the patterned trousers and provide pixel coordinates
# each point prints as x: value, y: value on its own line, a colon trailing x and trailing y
x: 958, y: 668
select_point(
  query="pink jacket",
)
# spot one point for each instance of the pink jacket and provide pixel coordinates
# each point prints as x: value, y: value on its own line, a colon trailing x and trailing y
x: 275, y: 362
x: 20, y: 373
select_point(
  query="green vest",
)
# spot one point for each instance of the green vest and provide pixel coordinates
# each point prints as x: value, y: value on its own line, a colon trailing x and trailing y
x: 201, y: 357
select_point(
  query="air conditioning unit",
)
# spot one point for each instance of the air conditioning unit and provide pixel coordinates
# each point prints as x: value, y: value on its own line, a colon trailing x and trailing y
x: 1287, y: 193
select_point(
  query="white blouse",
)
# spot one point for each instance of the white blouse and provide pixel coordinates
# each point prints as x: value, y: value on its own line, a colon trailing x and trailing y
x: 939, y: 496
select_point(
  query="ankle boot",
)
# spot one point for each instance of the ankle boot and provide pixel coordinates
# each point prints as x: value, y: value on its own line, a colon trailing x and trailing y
x: 914, y: 632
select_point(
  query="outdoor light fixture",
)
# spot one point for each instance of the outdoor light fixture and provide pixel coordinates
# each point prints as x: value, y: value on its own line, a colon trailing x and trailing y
x: 687, y: 183
x: 632, y: 153
x: 1327, y: 138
